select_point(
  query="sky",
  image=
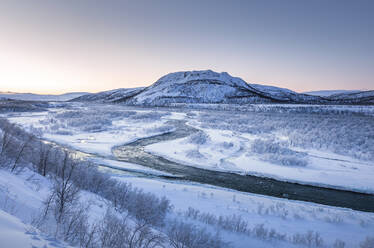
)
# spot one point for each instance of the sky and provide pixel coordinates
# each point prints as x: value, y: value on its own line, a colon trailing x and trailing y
x: 51, y: 46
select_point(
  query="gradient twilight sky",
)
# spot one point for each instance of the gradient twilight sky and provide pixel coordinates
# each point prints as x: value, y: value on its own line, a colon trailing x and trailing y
x: 51, y: 46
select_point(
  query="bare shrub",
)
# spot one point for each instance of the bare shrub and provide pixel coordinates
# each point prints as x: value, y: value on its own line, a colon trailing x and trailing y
x: 139, y: 207
x: 272, y: 151
x: 199, y: 138
x: 194, y: 154
x: 367, y: 243
x: 260, y: 231
x: 64, y: 193
x: 236, y: 224
x: 5, y: 133
x: 117, y: 231
x: 184, y: 235
x: 146, y: 207
x: 192, y: 213
x: 307, y: 127
x: 72, y: 227
x: 339, y: 244
x: 310, y: 239
x: 233, y: 223
x: 15, y: 144
x: 43, y: 163
x: 69, y: 175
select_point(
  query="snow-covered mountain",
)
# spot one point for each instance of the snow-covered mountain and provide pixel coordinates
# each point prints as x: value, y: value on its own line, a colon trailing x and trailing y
x: 200, y: 87
x: 327, y: 93
x: 197, y: 87
x: 212, y: 87
x: 361, y: 97
x: 40, y: 97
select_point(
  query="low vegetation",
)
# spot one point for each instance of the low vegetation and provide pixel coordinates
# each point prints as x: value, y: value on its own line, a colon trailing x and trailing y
x: 134, y: 218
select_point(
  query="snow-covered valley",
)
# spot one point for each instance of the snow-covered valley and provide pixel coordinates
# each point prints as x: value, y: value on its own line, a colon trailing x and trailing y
x: 286, y: 143
x: 290, y: 147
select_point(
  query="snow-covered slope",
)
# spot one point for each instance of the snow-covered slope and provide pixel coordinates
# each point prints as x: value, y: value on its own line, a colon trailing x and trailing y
x: 362, y: 97
x: 15, y: 234
x: 110, y: 95
x: 207, y: 87
x: 199, y: 87
x: 210, y: 87
x: 286, y: 95
x: 38, y: 97
x: 327, y: 93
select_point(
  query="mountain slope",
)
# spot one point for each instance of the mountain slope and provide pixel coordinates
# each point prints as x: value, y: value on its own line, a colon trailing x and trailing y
x: 209, y: 87
x: 362, y: 97
x: 327, y: 93
x: 196, y: 87
x: 212, y: 87
x: 110, y: 95
x: 40, y: 97
x: 286, y: 95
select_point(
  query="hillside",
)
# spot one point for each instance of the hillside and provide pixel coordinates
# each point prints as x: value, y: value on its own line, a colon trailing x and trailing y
x: 327, y: 93
x: 209, y: 87
x: 197, y: 87
x: 110, y: 95
x: 362, y: 97
x: 200, y: 87
x: 40, y: 97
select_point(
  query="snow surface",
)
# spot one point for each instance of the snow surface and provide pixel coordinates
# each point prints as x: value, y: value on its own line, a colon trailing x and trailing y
x: 283, y: 215
x: 22, y: 195
x: 15, y: 234
x: 100, y: 142
x: 225, y: 150
x: 21, y: 198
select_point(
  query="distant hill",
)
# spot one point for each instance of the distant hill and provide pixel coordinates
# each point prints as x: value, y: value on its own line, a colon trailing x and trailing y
x: 200, y: 87
x: 327, y: 93
x: 40, y: 97
x: 361, y: 97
